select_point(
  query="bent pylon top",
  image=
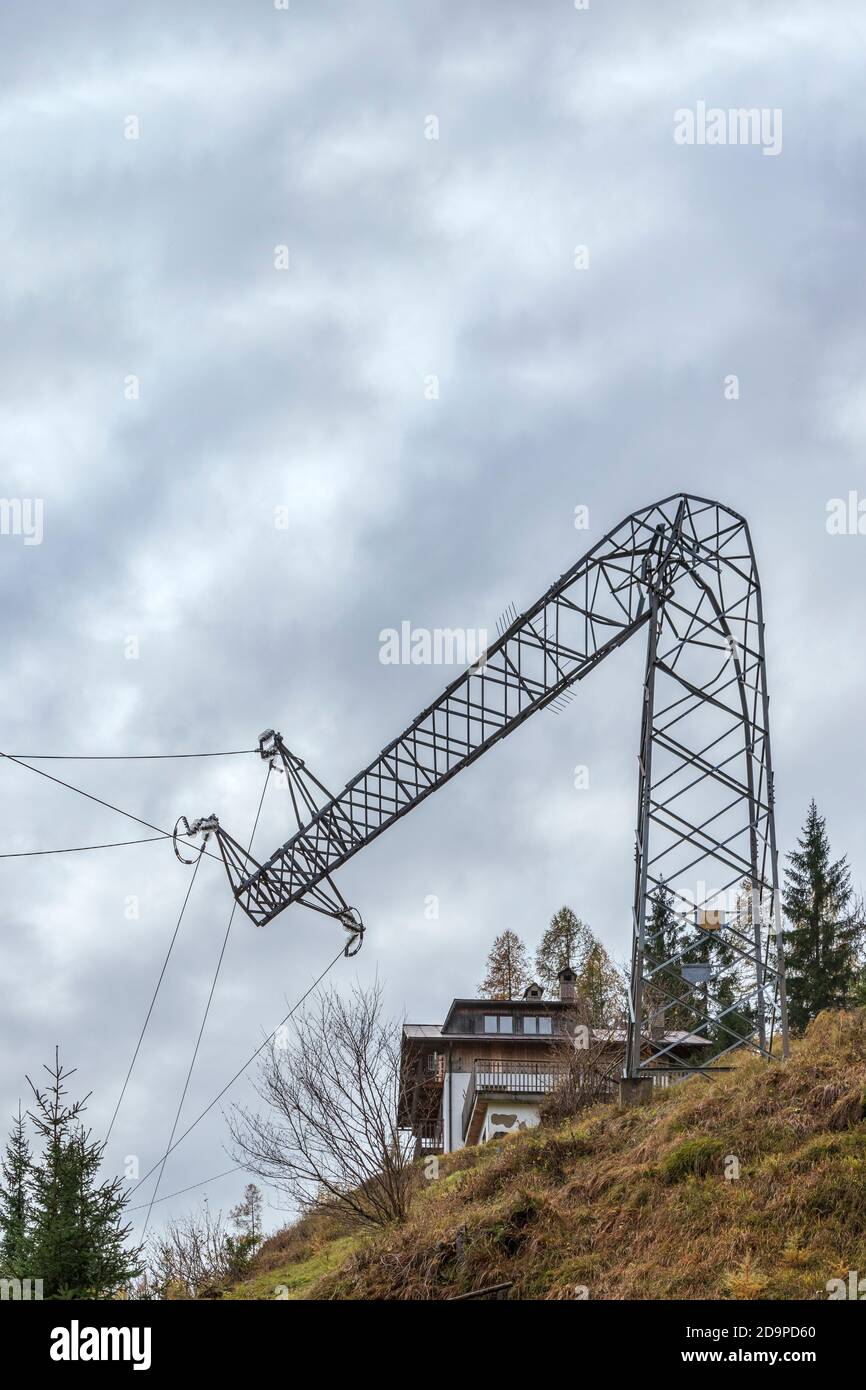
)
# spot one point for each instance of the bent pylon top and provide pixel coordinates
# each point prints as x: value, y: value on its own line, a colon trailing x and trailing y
x: 684, y: 570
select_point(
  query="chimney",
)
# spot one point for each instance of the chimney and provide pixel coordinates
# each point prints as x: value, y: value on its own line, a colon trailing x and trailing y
x: 566, y: 985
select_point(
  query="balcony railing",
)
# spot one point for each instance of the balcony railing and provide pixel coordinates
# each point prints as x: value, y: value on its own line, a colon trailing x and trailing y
x: 512, y: 1078
x: 429, y: 1137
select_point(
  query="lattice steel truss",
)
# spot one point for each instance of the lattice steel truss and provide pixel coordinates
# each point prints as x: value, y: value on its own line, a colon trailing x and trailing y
x: 706, y: 880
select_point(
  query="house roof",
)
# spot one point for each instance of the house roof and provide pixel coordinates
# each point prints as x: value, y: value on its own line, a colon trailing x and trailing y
x: 422, y: 1030
x: 433, y: 1032
x: 498, y: 1005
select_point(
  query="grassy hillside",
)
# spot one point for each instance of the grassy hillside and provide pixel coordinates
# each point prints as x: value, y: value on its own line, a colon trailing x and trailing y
x: 632, y: 1204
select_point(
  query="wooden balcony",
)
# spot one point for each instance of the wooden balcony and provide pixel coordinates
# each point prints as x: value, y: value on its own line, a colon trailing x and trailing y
x: 429, y: 1137
x: 500, y: 1076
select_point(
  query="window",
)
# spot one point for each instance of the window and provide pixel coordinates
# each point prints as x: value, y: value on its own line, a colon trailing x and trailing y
x: 530, y: 1024
x: 545, y: 1025
x: 498, y: 1023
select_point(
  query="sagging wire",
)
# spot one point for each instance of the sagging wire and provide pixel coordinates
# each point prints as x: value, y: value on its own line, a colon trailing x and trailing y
x: 124, y: 757
x: 155, y: 993
x: 79, y: 849
x: 10, y: 757
x: 240, y: 1072
x: 207, y: 1006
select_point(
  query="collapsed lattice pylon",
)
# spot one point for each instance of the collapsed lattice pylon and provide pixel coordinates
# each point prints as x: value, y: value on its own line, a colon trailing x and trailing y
x: 684, y: 571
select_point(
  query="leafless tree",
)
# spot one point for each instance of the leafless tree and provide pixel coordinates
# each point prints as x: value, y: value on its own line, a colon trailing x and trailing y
x: 195, y: 1257
x: 590, y: 1056
x: 330, y: 1132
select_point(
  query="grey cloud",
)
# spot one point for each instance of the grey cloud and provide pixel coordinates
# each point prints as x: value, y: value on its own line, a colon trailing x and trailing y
x: 305, y: 389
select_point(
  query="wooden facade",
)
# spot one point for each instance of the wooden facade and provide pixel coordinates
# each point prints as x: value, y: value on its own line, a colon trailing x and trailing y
x: 500, y: 1054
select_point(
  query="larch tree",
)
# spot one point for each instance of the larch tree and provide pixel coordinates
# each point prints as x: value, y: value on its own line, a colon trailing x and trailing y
x: 566, y: 942
x: 508, y: 968
x: 247, y: 1215
x: 600, y: 985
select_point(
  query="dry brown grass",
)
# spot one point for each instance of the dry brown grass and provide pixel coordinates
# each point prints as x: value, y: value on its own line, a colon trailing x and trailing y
x: 635, y: 1204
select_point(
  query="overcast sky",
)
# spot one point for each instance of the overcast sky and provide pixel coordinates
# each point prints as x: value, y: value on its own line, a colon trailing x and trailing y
x: 170, y: 395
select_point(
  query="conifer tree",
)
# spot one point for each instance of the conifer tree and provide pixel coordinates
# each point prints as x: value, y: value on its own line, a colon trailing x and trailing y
x: 14, y: 1204
x: 566, y: 942
x: 600, y: 987
x: 77, y: 1242
x: 507, y: 968
x: 247, y: 1215
x: 665, y: 950
x: 821, y: 947
x: 733, y: 976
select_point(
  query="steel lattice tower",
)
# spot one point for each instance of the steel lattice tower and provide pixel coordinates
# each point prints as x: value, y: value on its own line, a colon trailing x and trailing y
x: 706, y: 926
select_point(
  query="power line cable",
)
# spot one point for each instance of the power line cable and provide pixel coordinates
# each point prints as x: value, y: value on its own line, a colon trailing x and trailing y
x: 155, y: 993
x: 164, y: 835
x: 124, y: 757
x: 10, y: 757
x: 239, y: 1073
x: 79, y: 849
x: 207, y: 1005
x: 191, y: 1188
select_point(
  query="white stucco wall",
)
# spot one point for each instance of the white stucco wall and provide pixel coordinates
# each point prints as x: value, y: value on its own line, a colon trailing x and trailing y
x: 454, y: 1114
x: 525, y: 1113
x: 507, y: 1117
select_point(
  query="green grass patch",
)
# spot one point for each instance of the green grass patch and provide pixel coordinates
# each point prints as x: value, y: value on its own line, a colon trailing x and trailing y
x: 694, y: 1158
x: 295, y: 1280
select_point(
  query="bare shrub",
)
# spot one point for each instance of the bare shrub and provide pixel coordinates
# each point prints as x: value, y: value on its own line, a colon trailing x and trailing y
x: 591, y: 1060
x: 330, y: 1130
x: 196, y: 1257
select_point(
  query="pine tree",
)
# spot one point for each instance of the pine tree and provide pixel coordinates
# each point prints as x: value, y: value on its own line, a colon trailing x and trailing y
x: 821, y: 947
x: 566, y: 942
x: 507, y: 968
x: 14, y: 1204
x: 77, y: 1240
